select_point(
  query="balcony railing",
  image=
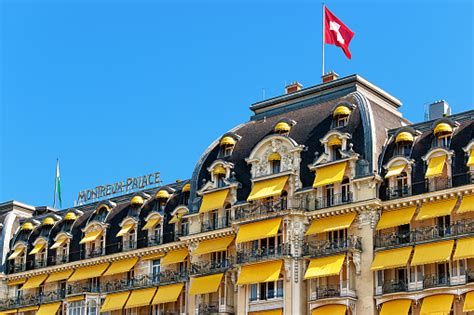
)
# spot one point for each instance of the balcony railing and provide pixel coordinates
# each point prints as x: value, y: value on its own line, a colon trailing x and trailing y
x: 127, y: 245
x: 32, y: 299
x: 274, y: 206
x: 208, y: 267
x: 144, y: 280
x: 333, y: 200
x: 17, y: 268
x: 96, y: 252
x: 76, y: 288
x: 325, y: 292
x: 154, y: 240
x: 258, y: 254
x: 40, y: 263
x: 59, y: 259
x: 328, y: 247
x: 398, y: 192
x: 419, y: 235
x: 435, y: 280
x: 438, y: 183
x: 211, y: 225
x: 393, y: 286
x: 208, y: 308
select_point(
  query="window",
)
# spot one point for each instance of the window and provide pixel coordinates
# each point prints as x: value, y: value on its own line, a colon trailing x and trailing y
x: 337, y: 238
x: 404, y: 148
x: 185, y: 197
x: 266, y: 290
x: 335, y: 152
x: 156, y: 269
x: 226, y: 150
x: 214, y: 219
x: 184, y: 227
x: 444, y: 226
x: 329, y: 195
x: 92, y: 307
x: 129, y: 239
x: 444, y: 140
x: 220, y: 180
x: 345, y: 190
x: 275, y: 165
x: 218, y: 259
x: 227, y: 215
x: 379, y: 278
x: 341, y: 121
x: 76, y: 308
x: 162, y: 204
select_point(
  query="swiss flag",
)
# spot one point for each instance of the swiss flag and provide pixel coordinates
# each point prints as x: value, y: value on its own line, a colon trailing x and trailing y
x: 336, y: 32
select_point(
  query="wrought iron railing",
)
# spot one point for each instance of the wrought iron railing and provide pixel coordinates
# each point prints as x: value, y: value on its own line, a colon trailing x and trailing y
x: 333, y: 200
x: 398, y: 192
x: 154, y: 240
x: 435, y: 280
x: 438, y: 183
x: 258, y: 254
x: 392, y: 286
x: 143, y: 281
x: 17, y: 268
x: 127, y: 245
x: 208, y: 308
x: 325, y: 292
x: 207, y: 267
x: 59, y: 259
x: 211, y: 225
x: 274, y: 206
x: 32, y: 299
x: 77, y: 288
x: 328, y: 247
x: 392, y: 239
x: 40, y: 263
x: 96, y: 252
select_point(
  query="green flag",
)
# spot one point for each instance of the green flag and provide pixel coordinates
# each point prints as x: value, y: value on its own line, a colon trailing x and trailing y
x: 57, y: 187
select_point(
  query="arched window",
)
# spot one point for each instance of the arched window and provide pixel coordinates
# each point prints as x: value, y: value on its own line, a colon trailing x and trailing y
x: 275, y: 162
x: 443, y: 133
x: 219, y: 173
x: 334, y: 147
x: 341, y: 116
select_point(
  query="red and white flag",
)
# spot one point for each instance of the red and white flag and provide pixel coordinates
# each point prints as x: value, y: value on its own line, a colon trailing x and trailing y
x: 336, y: 32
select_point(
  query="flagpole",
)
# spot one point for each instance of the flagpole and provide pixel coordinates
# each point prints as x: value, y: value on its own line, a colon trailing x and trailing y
x: 322, y: 71
x: 55, y: 179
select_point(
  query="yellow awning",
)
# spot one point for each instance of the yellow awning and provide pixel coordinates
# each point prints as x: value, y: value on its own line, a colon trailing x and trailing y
x: 60, y: 241
x: 27, y: 309
x: 34, y: 282
x: 435, y: 166
x: 436, y: 209
x: 137, y: 200
x: 16, y: 282
x: 167, y: 293
x: 325, y: 266
x: 395, y: 170
x: 175, y: 256
x: 258, y: 230
x: 206, y: 284
x: 329, y: 174
x: 334, y: 140
x: 227, y: 140
x: 139, y: 298
x: 91, y: 236
x: 153, y: 256
x: 16, y: 253
x: 470, y: 161
x: 38, y: 247
x: 341, y: 110
x: 395, y: 218
x: 464, y: 248
x: 437, y: 304
x: 267, y: 188
x: 332, y: 223
x: 162, y: 194
x: 432, y: 253
x: 467, y: 204
x: 219, y: 170
x: 121, y: 266
x: 76, y: 298
x: 49, y: 309
x: 88, y: 272
x: 274, y: 157
x: 58, y: 276
x: 115, y: 301
x: 175, y: 219
x: 213, y: 201
x: 278, y: 311
x: 469, y: 302
x: 404, y: 136
x: 70, y: 216
x: 396, y: 307
x: 213, y: 245
x: 393, y: 258
x: 8, y: 312
x: 125, y: 229
x: 260, y: 272
x: 151, y: 223
x: 443, y: 127
x: 282, y: 127
x: 332, y: 309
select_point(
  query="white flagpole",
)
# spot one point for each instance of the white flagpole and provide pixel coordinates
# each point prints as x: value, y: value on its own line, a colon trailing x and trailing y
x: 323, y: 44
x: 55, y: 183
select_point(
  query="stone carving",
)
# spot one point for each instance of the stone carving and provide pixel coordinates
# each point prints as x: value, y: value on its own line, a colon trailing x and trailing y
x: 289, y: 162
x: 356, y: 259
x: 367, y: 217
x: 287, y: 266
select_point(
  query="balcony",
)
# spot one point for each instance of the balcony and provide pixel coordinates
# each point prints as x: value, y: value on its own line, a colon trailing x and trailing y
x: 73, y: 289
x: 91, y: 253
x: 420, y: 235
x: 40, y: 263
x: 326, y: 292
x: 32, y: 299
x: 398, y: 192
x: 211, y: 225
x: 208, y: 308
x: 154, y: 240
x: 17, y: 268
x: 393, y: 286
x: 127, y: 245
x: 438, y: 183
x: 328, y: 247
x: 435, y: 280
x: 269, y: 207
x: 259, y: 254
x: 209, y: 267
x: 333, y: 200
x: 59, y: 259
x: 143, y: 281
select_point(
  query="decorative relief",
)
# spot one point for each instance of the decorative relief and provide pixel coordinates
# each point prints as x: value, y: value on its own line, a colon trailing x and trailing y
x: 356, y: 259
x: 368, y: 217
x: 289, y: 160
x: 287, y: 266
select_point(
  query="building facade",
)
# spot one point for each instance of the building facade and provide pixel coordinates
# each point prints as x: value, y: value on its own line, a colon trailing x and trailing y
x: 327, y: 201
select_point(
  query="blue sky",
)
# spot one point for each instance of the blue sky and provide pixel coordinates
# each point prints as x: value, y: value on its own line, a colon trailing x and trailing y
x: 124, y: 88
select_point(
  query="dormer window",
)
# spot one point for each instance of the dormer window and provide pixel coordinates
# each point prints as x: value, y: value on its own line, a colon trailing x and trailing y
x: 334, y: 148
x: 443, y: 133
x: 227, y: 145
x: 186, y: 191
x: 275, y: 163
x: 219, y: 173
x: 162, y: 197
x: 341, y: 116
x: 404, y: 141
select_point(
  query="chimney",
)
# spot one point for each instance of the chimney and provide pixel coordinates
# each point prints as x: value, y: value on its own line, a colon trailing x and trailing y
x: 438, y: 110
x: 293, y: 87
x: 330, y: 76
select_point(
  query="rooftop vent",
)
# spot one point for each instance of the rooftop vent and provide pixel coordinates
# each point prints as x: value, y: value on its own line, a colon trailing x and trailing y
x: 293, y: 87
x: 438, y: 110
x: 330, y: 76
